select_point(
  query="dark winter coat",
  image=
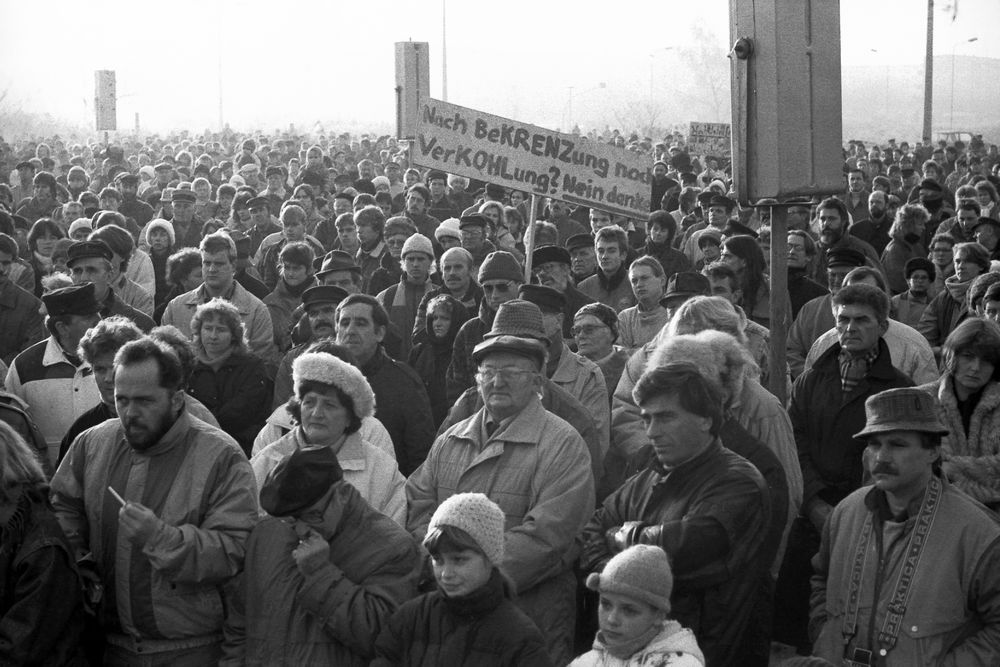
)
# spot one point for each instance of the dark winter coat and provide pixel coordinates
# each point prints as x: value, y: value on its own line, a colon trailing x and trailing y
x: 41, y: 607
x: 825, y: 420
x: 402, y: 405
x: 238, y: 394
x: 20, y: 321
x: 482, y: 629
x: 461, y: 373
x: 430, y: 359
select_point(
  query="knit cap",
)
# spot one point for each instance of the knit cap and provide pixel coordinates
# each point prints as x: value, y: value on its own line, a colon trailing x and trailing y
x: 160, y: 223
x: 380, y: 180
x: 478, y: 516
x: 80, y: 223
x: 641, y: 572
x: 448, y: 228
x: 418, y: 243
x: 500, y: 265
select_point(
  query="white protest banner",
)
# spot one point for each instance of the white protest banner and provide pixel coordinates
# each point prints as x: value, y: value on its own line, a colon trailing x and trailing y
x: 105, y: 100
x: 713, y: 139
x: 524, y: 157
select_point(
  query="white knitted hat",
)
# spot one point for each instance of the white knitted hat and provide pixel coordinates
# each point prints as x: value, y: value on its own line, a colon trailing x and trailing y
x: 160, y: 223
x: 418, y: 243
x: 328, y: 369
x: 478, y: 516
x: 80, y: 223
x: 642, y: 572
x: 448, y: 228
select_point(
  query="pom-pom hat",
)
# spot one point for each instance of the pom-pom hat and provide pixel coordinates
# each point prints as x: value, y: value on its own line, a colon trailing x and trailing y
x: 641, y: 572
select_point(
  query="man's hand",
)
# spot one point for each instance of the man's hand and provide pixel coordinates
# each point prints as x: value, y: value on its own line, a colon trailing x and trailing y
x: 138, y: 523
x: 818, y: 513
x: 312, y: 553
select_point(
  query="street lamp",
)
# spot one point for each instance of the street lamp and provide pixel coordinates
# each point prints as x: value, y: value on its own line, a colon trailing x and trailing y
x: 951, y: 106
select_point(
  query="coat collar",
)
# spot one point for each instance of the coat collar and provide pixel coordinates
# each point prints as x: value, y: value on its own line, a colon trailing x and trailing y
x: 881, y: 368
x: 522, y: 429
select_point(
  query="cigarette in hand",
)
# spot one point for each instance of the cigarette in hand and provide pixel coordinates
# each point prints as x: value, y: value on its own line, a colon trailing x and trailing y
x: 117, y: 497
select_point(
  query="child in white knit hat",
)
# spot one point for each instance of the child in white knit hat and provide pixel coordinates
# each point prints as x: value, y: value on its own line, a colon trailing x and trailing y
x: 633, y: 615
x: 470, y: 619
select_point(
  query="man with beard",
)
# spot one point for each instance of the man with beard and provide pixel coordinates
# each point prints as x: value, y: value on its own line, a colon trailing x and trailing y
x: 933, y: 197
x: 131, y: 206
x: 417, y: 199
x: 875, y: 229
x: 832, y: 215
x: 189, y: 503
x: 551, y: 265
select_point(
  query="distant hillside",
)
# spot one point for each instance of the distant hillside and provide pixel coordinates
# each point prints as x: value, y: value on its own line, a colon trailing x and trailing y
x: 867, y: 89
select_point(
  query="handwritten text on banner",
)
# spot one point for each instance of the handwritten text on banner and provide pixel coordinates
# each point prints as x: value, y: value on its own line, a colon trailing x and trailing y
x: 524, y: 157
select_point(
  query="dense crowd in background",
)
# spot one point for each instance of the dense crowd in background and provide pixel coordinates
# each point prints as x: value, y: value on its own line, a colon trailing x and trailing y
x: 283, y: 399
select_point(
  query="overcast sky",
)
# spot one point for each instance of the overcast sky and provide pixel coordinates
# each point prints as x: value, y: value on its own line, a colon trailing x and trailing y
x: 302, y: 61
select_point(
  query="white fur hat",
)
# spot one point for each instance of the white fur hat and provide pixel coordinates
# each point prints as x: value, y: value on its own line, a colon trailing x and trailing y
x: 160, y: 223
x: 328, y: 369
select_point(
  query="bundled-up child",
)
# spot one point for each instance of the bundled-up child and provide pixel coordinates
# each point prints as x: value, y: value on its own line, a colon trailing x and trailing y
x: 470, y: 620
x: 159, y: 238
x: 633, y: 615
x: 909, y: 306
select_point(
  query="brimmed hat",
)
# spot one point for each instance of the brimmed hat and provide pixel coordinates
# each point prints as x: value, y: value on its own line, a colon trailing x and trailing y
x: 684, y: 285
x: 722, y: 200
x: 548, y: 299
x: 299, y: 480
x: 73, y: 300
x: 985, y: 221
x: 328, y: 369
x: 257, y: 202
x: 905, y: 409
x: 335, y: 260
x: 84, y: 249
x: 579, y: 241
x: 473, y: 220
x: 641, y: 572
x: 478, y: 516
x: 183, y: 195
x: 518, y: 328
x: 550, y: 253
x: 734, y: 228
x: 323, y: 294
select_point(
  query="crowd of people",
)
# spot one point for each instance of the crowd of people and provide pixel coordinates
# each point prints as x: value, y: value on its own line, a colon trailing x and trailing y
x: 278, y: 400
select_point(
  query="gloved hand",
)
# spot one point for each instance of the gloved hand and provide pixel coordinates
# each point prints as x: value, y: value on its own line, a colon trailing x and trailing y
x: 622, y: 537
x: 312, y: 553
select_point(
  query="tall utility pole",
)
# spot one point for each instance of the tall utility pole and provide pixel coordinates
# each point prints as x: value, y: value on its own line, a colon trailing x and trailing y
x: 929, y: 72
x: 444, y: 50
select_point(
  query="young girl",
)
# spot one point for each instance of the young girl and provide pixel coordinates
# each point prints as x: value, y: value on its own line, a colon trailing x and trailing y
x: 635, y: 629
x: 470, y: 619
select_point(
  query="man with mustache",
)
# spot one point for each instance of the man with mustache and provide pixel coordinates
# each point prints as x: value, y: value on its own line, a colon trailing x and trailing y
x: 455, y: 267
x: 827, y: 409
x: 907, y: 572
x: 833, y: 223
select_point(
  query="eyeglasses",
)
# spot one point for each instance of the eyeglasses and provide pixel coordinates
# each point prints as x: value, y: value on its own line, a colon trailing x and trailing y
x: 488, y: 374
x: 586, y: 329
